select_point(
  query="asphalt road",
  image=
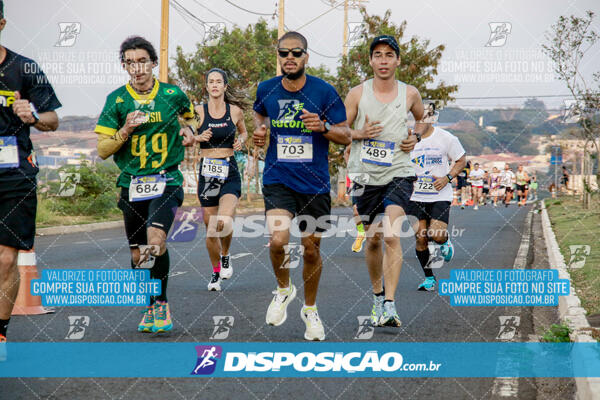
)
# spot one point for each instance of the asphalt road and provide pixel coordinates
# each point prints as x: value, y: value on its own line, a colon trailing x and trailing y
x: 487, y: 238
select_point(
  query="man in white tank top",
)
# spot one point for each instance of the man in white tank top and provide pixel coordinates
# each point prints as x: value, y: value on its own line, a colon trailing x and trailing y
x: 380, y: 167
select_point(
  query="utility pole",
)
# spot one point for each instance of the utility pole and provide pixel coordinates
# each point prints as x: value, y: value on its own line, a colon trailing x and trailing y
x: 355, y: 4
x: 280, y: 28
x: 163, y: 69
x: 345, y: 45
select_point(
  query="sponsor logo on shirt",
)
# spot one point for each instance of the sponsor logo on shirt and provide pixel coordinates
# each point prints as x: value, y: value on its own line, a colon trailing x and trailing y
x: 7, y: 98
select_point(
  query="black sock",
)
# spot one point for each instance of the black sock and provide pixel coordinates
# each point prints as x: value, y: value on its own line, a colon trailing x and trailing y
x: 423, y: 256
x: 388, y: 301
x: 160, y: 270
x: 3, y: 326
x: 382, y: 293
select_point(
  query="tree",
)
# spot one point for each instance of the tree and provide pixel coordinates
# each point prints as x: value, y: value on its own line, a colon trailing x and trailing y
x: 568, y: 42
x: 419, y: 63
x: 511, y: 136
x: 534, y: 112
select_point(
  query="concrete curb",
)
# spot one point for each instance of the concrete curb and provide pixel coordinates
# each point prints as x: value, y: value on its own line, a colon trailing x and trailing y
x: 65, y: 229
x: 569, y: 308
x: 96, y: 226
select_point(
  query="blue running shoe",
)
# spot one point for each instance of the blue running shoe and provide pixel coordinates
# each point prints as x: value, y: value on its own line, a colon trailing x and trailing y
x: 428, y: 284
x: 447, y: 250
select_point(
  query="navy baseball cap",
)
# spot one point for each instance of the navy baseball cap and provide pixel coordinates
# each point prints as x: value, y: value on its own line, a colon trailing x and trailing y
x: 386, y: 39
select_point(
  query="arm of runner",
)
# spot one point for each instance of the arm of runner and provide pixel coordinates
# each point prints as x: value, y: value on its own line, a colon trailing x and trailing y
x: 240, y: 141
x: 459, y: 165
x: 370, y: 129
x: 338, y: 133
x: 109, y: 144
x: 47, y: 121
x: 260, y: 129
x: 414, y: 104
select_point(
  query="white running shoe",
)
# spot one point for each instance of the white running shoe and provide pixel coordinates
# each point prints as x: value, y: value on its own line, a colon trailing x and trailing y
x: 277, y: 311
x: 390, y: 315
x: 226, y: 269
x: 314, y: 326
x: 476, y: 207
x: 215, y: 282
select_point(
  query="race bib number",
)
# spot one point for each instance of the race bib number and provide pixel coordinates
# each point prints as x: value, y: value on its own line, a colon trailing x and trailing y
x: 294, y: 149
x: 424, y: 185
x: 147, y: 187
x: 377, y: 152
x: 215, y: 168
x: 9, y: 152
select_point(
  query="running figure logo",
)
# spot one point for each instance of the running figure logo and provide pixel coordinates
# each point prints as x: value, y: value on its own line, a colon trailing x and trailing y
x: 68, y: 183
x: 293, y: 255
x: 499, y: 33
x: 68, y: 34
x: 186, y: 225
x: 223, y: 325
x: 207, y: 359
x: 212, y: 187
x: 355, y: 33
x: 509, y: 326
x: 77, y: 326
x: 288, y: 109
x: 435, y: 257
x: 579, y: 253
x: 365, y: 328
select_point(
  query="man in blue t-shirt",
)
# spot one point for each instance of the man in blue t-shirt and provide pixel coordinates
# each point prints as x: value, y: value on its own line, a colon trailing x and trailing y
x: 304, y: 113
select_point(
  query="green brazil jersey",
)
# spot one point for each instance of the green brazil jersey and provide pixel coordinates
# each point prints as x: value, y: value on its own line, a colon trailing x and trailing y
x: 154, y: 146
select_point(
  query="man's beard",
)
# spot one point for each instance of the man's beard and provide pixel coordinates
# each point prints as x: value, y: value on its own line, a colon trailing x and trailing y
x: 292, y: 76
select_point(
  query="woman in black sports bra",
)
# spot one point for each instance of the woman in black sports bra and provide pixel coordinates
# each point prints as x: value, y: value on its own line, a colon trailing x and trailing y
x: 219, y: 183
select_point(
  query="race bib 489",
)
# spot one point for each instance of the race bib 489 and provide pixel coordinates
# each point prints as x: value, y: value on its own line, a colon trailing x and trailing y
x: 378, y: 152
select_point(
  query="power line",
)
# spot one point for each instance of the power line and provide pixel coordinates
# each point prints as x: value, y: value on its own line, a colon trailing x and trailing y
x: 249, y: 11
x: 317, y: 17
x: 514, y: 97
x: 176, y: 4
x: 214, y: 13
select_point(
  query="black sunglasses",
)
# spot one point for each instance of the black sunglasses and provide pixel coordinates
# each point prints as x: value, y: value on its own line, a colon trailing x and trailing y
x: 297, y: 52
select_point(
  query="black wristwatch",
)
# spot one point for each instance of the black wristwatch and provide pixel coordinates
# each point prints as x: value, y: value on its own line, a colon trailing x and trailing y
x: 327, y: 127
x: 449, y: 177
x: 418, y: 135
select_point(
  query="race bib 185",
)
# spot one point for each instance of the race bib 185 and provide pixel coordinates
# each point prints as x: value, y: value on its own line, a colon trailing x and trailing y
x: 215, y: 168
x: 294, y: 148
x: 378, y: 152
x: 146, y: 187
x: 9, y: 152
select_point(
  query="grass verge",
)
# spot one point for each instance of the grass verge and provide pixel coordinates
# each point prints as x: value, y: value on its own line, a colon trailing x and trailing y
x: 575, y: 226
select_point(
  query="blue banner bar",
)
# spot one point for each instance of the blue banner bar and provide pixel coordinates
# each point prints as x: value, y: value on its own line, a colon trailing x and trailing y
x: 300, y: 359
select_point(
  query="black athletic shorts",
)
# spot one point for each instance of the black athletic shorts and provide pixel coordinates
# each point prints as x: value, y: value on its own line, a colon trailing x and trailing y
x: 18, y: 204
x: 376, y: 198
x: 210, y: 190
x: 522, y: 188
x: 438, y: 210
x: 509, y: 189
x: 140, y: 215
x: 461, y: 182
x: 315, y: 206
x: 486, y: 190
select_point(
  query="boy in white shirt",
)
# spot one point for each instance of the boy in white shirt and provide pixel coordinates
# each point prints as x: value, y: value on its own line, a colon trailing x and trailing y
x: 432, y: 194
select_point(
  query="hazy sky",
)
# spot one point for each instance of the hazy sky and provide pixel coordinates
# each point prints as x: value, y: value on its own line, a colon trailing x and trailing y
x: 85, y: 72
